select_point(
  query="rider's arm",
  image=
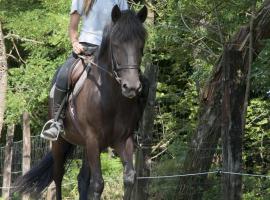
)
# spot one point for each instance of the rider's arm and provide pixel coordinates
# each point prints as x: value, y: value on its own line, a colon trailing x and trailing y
x: 73, y: 32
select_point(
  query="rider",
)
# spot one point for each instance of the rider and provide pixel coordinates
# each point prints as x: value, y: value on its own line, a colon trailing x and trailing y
x: 95, y: 14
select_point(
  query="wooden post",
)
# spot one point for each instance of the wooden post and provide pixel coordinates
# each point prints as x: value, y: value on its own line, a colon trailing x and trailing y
x: 8, y: 163
x: 26, y: 159
x: 3, y: 78
x: 143, y: 152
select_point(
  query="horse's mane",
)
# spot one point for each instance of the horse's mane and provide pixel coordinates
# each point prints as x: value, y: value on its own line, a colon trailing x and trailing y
x: 127, y: 28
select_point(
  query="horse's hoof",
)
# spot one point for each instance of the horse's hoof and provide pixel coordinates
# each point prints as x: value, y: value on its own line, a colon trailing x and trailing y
x: 96, y: 196
x: 129, y: 178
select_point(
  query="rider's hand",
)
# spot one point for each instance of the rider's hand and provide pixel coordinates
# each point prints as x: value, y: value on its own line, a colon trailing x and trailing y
x: 77, y: 47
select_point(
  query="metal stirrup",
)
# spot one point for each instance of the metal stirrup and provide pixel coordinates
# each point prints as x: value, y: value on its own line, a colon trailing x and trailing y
x: 54, y: 121
x: 47, y: 125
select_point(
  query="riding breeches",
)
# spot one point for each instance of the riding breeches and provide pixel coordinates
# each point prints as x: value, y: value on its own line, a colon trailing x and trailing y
x: 62, y: 75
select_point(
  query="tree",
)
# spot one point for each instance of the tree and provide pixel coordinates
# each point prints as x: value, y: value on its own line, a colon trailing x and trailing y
x: 204, y: 141
x: 3, y: 77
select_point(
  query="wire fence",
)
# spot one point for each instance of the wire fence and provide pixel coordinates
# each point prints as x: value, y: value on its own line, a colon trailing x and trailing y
x: 164, y: 179
x: 39, y: 148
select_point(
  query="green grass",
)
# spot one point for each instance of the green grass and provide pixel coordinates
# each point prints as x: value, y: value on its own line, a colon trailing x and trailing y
x: 112, y: 174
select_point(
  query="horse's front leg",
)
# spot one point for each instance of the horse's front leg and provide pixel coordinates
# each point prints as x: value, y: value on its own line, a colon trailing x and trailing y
x: 93, y: 155
x: 84, y: 180
x: 125, y: 151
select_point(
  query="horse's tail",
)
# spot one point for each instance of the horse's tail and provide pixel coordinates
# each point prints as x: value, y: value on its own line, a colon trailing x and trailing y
x: 40, y: 176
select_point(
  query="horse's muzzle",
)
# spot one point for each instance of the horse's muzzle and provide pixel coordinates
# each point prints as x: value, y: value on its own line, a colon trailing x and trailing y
x: 131, y: 90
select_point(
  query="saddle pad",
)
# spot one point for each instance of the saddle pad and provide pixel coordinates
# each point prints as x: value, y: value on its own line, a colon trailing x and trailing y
x: 79, y: 74
x: 76, y: 71
x: 78, y: 86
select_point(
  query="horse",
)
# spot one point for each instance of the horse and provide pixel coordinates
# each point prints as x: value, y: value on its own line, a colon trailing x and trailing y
x: 108, y: 109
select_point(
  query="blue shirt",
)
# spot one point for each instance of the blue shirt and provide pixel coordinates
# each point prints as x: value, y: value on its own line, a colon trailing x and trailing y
x: 97, y: 18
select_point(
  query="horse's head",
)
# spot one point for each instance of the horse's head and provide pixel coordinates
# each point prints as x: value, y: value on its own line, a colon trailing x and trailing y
x: 127, y: 38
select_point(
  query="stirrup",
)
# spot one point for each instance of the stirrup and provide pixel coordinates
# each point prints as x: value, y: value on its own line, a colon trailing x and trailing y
x: 47, y: 125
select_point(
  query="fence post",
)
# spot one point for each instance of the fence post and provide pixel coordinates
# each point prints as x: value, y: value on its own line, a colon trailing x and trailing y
x: 8, y: 162
x: 26, y: 159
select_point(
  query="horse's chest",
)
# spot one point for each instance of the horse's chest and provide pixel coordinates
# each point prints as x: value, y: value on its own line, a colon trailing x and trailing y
x: 123, y: 123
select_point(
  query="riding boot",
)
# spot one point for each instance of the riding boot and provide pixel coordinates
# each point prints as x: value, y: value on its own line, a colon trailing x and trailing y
x: 57, y: 125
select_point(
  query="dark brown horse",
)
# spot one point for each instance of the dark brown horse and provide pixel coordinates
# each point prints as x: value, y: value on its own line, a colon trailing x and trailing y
x: 108, y: 110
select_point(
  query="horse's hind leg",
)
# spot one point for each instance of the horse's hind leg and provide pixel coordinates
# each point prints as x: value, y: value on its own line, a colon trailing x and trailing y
x: 60, y: 150
x: 84, y: 180
x: 125, y: 151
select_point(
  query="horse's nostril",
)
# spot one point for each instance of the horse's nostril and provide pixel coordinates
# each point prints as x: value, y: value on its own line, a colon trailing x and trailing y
x: 125, y: 86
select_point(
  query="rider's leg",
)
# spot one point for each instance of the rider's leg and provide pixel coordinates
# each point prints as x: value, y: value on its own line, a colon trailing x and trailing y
x: 60, y: 91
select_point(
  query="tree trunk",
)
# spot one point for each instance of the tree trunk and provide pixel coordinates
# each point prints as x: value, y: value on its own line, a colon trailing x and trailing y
x: 8, y: 163
x: 232, y: 106
x: 204, y: 141
x: 145, y: 136
x: 26, y: 159
x: 3, y: 78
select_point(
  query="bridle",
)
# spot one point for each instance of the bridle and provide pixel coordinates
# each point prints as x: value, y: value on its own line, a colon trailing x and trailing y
x: 115, y: 66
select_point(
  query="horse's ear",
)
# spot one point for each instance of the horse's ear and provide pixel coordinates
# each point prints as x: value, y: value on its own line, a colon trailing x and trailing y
x: 142, y: 14
x: 116, y: 13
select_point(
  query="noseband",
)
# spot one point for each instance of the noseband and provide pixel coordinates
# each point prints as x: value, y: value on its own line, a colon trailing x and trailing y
x: 117, y: 67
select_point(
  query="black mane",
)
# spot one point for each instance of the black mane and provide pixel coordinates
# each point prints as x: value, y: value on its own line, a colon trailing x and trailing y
x: 127, y: 28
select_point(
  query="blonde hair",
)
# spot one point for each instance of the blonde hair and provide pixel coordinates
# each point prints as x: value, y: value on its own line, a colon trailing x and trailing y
x: 87, y: 6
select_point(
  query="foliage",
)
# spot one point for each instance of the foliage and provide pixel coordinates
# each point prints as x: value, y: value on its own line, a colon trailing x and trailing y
x: 260, y: 69
x: 185, y: 42
x: 39, y: 31
x: 257, y: 140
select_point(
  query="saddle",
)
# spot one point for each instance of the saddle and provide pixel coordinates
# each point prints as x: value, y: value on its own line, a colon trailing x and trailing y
x: 78, y: 73
x: 79, y: 70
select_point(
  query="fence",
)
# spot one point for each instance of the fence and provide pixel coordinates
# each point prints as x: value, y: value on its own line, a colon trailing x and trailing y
x: 167, y: 176
x: 39, y: 147
x: 163, y: 184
